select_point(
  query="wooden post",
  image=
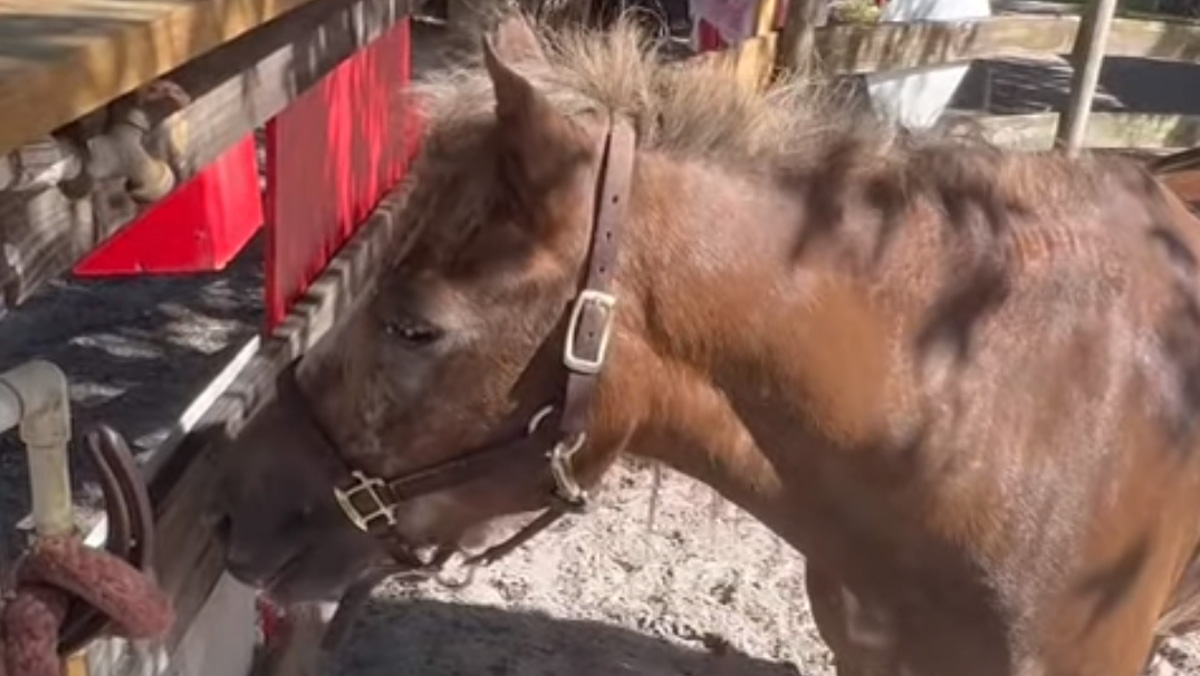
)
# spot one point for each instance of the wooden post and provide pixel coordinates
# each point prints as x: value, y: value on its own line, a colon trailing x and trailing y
x: 1086, y: 59
x: 756, y: 55
x: 797, y: 41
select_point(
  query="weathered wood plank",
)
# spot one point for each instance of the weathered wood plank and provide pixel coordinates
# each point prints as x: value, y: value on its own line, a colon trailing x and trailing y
x: 864, y: 48
x: 797, y: 40
x: 62, y: 59
x: 233, y: 90
x: 1105, y: 130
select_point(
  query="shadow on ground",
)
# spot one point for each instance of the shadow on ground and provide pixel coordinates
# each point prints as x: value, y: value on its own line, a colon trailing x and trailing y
x: 435, y: 638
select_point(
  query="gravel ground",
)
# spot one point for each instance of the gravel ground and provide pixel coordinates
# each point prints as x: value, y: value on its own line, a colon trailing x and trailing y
x: 689, y: 585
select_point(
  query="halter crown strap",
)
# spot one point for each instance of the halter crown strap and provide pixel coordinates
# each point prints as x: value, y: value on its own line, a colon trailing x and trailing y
x: 590, y: 327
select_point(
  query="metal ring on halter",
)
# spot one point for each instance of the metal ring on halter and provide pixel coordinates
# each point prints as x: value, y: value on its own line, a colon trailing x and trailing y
x: 536, y: 420
x: 567, y: 488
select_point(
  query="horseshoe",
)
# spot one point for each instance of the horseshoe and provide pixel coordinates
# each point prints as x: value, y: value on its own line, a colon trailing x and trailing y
x: 130, y: 528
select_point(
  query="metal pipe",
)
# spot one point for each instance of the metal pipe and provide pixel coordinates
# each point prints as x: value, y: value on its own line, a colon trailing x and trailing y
x: 119, y: 153
x: 150, y: 178
x: 34, y: 397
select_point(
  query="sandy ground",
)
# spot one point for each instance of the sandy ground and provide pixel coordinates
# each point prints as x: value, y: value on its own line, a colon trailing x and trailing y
x: 692, y: 587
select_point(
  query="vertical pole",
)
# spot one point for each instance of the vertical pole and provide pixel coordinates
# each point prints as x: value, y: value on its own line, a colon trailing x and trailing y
x: 797, y: 41
x: 1086, y: 59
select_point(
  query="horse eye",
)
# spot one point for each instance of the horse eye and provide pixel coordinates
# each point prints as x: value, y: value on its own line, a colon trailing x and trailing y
x: 412, y: 331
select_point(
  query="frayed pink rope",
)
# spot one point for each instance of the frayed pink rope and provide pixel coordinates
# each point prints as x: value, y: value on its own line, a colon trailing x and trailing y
x: 57, y: 571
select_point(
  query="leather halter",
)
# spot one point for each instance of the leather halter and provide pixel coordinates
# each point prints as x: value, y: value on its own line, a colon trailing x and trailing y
x: 370, y: 502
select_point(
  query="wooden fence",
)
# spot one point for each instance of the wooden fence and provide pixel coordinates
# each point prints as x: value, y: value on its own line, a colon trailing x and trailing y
x: 850, y: 49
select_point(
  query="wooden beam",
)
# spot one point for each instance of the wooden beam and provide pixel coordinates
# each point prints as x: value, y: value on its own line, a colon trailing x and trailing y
x: 1105, y: 130
x: 190, y: 560
x: 865, y: 48
x: 797, y: 50
x: 1086, y: 60
x: 858, y: 48
x: 63, y: 59
x: 233, y: 90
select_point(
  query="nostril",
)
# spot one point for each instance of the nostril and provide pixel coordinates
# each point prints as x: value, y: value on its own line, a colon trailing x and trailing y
x: 249, y: 566
x: 245, y: 572
x: 221, y: 527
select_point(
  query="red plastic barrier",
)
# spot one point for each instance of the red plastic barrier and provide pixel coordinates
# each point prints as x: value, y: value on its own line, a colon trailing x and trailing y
x: 331, y: 156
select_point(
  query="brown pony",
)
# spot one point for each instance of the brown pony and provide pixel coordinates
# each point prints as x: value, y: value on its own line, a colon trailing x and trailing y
x: 963, y: 382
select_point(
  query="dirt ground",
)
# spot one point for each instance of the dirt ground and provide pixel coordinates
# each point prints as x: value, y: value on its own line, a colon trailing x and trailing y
x: 690, y: 586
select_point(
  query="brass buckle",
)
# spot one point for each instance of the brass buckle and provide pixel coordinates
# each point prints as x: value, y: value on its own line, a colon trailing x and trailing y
x: 365, y: 485
x: 570, y: 357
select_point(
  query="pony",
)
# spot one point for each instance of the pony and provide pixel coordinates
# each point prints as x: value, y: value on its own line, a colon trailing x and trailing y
x: 963, y: 382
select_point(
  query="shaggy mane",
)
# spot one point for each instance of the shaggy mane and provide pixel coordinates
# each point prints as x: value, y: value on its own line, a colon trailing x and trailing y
x: 694, y: 109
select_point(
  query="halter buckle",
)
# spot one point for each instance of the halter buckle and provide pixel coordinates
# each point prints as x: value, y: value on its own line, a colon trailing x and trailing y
x: 571, y: 357
x: 375, y: 509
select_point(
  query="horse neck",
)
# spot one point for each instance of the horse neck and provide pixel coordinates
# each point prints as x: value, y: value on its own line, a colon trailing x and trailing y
x: 741, y: 365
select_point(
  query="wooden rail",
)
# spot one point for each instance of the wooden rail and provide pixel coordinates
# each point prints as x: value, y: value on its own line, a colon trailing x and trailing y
x: 852, y: 49
x: 63, y: 59
x: 865, y: 48
x: 798, y: 36
x: 1036, y: 131
x: 233, y: 90
x: 855, y: 49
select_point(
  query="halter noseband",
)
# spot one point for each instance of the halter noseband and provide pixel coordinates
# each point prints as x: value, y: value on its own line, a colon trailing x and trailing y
x: 371, y: 502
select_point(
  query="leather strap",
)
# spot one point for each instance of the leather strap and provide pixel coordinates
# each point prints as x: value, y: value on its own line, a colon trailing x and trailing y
x: 595, y: 305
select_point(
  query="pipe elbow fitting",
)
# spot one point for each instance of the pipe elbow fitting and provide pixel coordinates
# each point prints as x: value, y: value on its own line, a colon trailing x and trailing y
x: 42, y: 392
x: 150, y: 179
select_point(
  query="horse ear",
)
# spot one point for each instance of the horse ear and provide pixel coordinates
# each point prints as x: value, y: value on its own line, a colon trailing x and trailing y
x: 516, y: 41
x: 539, y: 141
